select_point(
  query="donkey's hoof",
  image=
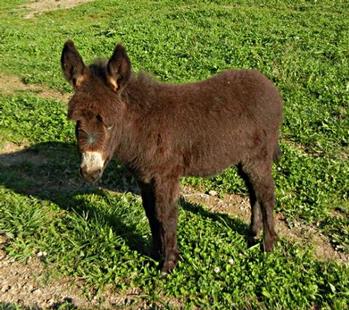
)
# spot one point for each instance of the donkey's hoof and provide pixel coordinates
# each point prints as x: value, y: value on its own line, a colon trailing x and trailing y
x: 255, y: 229
x: 155, y: 254
x: 268, y: 243
x: 168, y: 266
x: 163, y: 275
x: 252, y: 240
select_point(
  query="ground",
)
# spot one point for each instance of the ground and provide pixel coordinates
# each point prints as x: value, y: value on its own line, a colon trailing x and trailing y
x: 36, y: 8
x: 27, y: 283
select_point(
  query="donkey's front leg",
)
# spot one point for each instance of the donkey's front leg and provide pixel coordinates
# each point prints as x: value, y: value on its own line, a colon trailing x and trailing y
x: 166, y: 211
x: 148, y: 199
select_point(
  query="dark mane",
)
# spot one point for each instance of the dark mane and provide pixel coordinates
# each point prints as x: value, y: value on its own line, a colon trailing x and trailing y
x: 144, y: 85
x: 99, y: 68
x: 142, y: 88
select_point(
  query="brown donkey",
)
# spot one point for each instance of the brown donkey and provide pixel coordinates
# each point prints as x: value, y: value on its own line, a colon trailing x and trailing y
x: 164, y: 131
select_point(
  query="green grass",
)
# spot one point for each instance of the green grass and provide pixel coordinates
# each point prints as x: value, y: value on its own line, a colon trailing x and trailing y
x: 103, y: 236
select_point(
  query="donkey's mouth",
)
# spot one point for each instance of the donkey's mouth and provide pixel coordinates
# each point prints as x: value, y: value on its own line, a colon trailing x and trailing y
x: 92, y: 166
x: 91, y: 176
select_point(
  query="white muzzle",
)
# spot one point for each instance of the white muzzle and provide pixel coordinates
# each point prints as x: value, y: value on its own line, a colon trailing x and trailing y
x: 92, y: 166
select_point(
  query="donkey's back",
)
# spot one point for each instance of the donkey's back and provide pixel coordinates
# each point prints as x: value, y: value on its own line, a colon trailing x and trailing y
x: 228, y: 119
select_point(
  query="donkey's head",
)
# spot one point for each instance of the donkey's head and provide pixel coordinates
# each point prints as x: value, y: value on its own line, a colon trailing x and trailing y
x: 96, y: 105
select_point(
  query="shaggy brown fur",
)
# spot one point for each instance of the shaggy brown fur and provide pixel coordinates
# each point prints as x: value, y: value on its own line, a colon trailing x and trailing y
x: 165, y: 131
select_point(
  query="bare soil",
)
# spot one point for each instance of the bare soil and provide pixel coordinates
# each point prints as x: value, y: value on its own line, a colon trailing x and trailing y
x: 36, y: 8
x: 28, y: 284
x: 25, y: 284
x: 13, y: 154
x: 10, y: 84
x: 31, y: 285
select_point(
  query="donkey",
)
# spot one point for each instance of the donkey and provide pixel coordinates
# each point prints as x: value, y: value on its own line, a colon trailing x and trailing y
x: 163, y: 131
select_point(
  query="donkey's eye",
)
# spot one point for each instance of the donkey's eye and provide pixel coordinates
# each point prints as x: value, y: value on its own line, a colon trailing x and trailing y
x: 99, y: 118
x: 79, y: 130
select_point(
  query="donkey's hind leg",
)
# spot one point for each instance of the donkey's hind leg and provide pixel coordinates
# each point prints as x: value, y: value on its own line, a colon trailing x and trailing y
x: 262, y: 183
x: 256, y: 216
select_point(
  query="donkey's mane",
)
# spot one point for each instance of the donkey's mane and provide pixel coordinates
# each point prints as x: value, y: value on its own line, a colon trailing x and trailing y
x: 141, y: 86
x: 99, y: 68
x: 142, y: 89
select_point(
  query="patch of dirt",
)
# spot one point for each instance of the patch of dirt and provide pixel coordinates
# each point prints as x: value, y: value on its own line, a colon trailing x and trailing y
x: 29, y: 285
x: 10, y: 147
x: 10, y: 84
x: 39, y: 7
x: 14, y: 154
x: 24, y: 284
x: 239, y: 206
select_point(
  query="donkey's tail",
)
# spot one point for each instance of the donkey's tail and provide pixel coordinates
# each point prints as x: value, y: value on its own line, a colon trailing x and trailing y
x: 277, y: 153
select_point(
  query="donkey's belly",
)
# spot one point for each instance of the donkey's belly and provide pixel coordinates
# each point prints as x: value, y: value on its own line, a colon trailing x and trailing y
x: 206, y: 165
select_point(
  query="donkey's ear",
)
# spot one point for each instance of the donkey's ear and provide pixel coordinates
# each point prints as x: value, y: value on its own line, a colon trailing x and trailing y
x: 119, y: 68
x: 72, y: 64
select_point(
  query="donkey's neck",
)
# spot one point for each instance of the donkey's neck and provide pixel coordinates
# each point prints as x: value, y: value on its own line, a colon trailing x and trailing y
x: 140, y: 97
x: 141, y: 94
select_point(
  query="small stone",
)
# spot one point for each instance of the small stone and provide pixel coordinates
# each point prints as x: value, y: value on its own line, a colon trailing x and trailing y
x: 212, y: 193
x: 14, y: 272
x: 41, y: 254
x: 5, y: 288
x: 32, y: 289
x: 2, y: 254
x: 36, y: 291
x: 3, y: 239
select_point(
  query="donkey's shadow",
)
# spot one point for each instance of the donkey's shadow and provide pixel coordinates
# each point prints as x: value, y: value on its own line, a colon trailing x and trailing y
x: 49, y: 171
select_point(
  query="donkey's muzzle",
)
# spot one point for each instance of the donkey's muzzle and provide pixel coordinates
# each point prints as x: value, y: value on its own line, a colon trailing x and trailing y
x: 92, y: 165
x: 91, y: 176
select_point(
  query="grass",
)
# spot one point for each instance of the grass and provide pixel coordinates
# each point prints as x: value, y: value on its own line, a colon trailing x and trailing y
x: 103, y: 236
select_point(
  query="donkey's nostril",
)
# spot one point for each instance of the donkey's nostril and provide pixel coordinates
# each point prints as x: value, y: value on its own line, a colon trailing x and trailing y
x: 96, y: 173
x: 91, y: 175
